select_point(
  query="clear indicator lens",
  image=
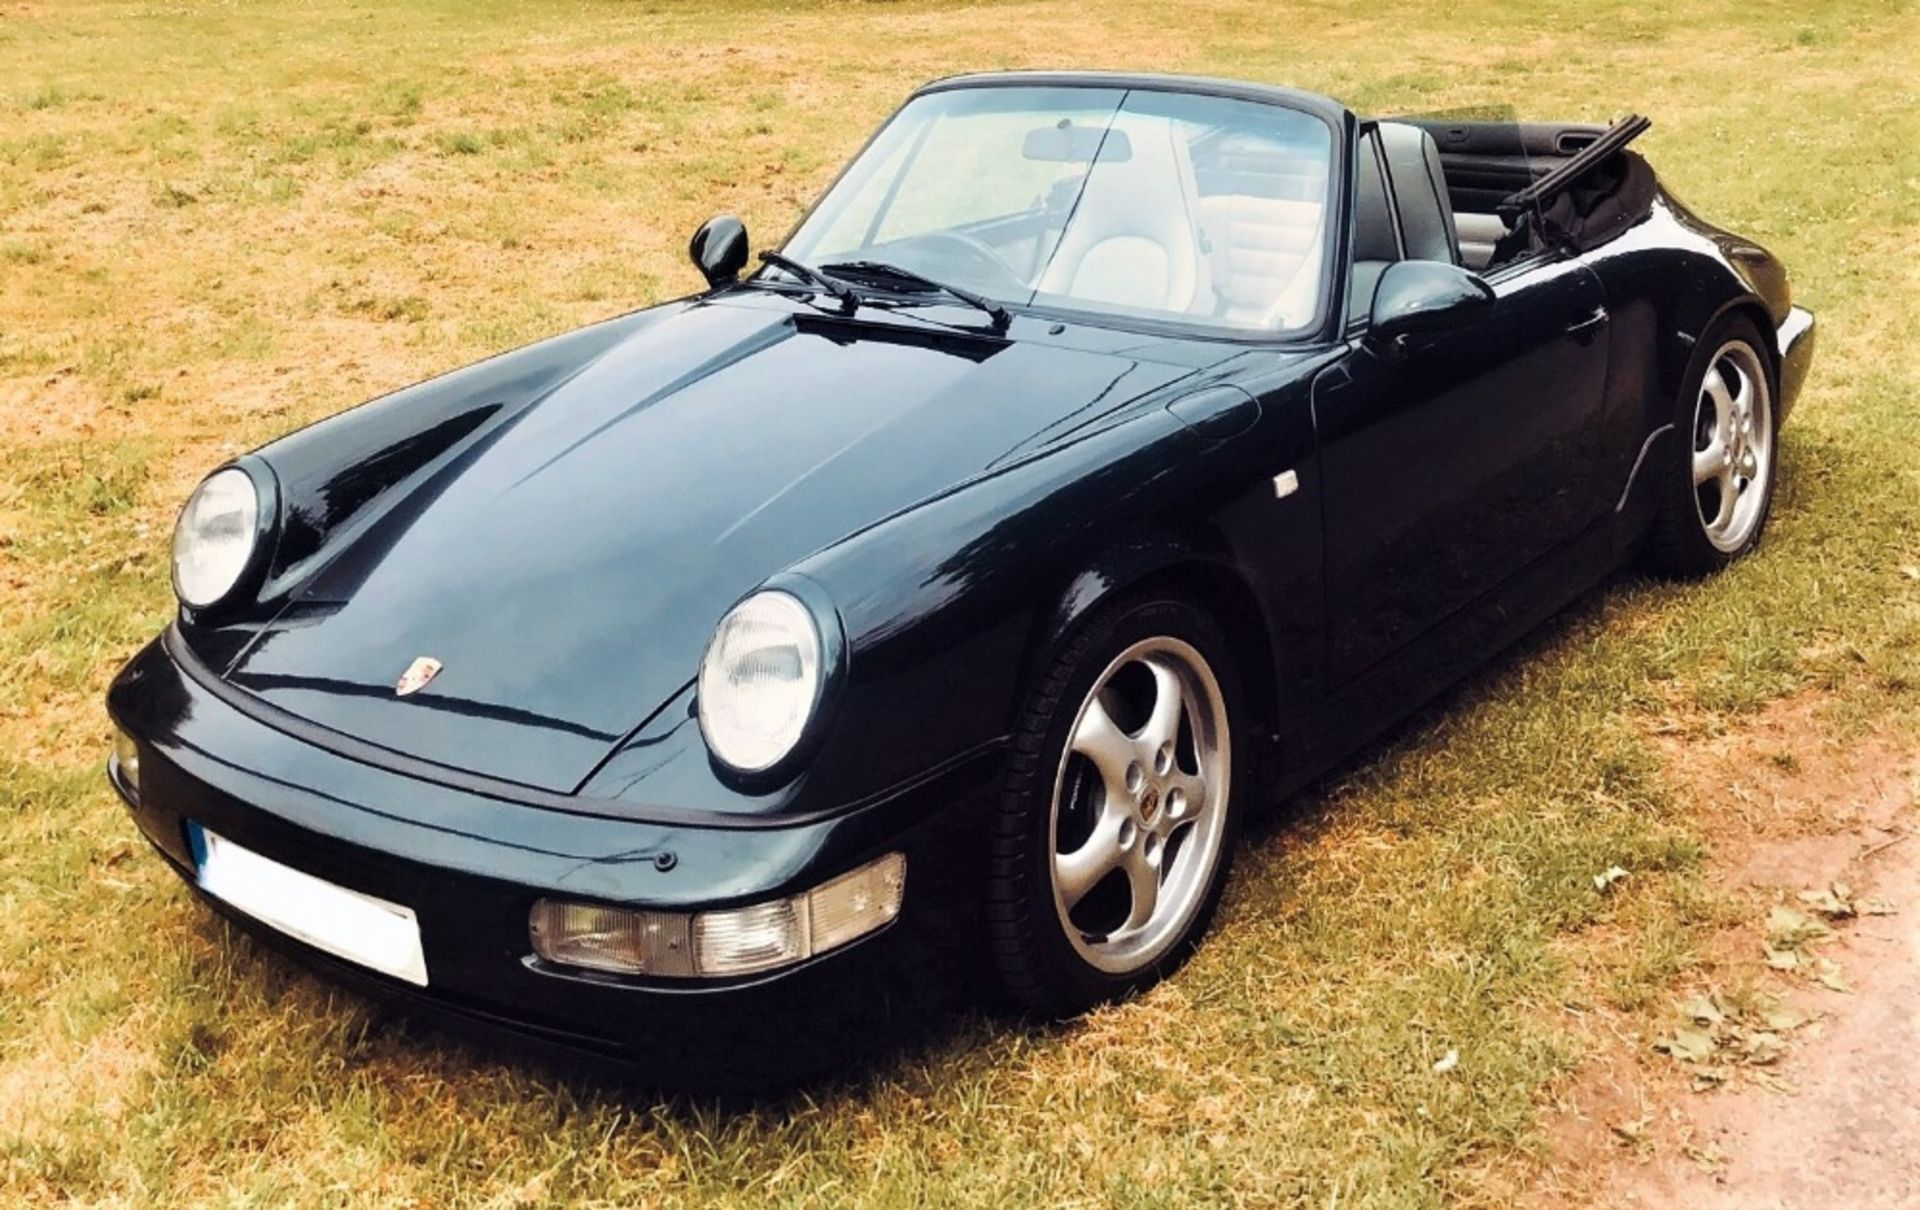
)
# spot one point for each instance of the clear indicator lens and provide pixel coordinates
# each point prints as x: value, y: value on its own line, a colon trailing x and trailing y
x: 858, y: 903
x: 759, y: 680
x: 214, y: 539
x: 126, y: 761
x: 731, y: 941
x: 743, y: 940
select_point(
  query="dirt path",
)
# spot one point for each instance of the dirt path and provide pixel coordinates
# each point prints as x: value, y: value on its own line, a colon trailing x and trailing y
x: 1832, y: 1119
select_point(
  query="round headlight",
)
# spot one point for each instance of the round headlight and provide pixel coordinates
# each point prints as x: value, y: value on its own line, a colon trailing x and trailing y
x: 759, y: 681
x: 213, y: 542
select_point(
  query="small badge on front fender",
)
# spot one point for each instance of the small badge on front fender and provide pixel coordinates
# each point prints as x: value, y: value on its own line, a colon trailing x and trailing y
x: 418, y: 673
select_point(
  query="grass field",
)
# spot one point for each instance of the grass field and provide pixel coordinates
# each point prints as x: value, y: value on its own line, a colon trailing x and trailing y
x: 218, y: 221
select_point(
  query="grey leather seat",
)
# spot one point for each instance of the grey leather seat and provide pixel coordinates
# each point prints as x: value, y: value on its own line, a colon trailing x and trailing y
x: 1478, y: 235
x: 1426, y: 226
x: 1376, y: 244
x: 1265, y: 258
x: 1420, y: 191
x: 1134, y: 241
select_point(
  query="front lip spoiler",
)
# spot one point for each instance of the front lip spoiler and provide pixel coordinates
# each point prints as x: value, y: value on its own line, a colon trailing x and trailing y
x: 340, y: 744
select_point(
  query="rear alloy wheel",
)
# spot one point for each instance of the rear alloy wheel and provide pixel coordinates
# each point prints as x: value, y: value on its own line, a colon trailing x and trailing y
x: 1732, y: 447
x: 1717, y: 503
x: 1115, y: 837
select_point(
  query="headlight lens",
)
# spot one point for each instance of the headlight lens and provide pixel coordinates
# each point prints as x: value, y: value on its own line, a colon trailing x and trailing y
x: 214, y: 539
x: 759, y: 681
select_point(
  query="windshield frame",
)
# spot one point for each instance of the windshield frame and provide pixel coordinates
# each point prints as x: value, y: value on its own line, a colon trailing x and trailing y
x: 1336, y: 233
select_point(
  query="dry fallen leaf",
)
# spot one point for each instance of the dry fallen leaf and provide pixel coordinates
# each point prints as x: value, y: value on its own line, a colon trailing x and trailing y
x: 1783, y: 1018
x: 1789, y: 929
x: 1608, y: 877
x: 1703, y: 1010
x: 1689, y: 1044
x: 1835, y: 903
x: 1772, y: 1082
x: 1711, y: 1077
x: 1763, y: 1048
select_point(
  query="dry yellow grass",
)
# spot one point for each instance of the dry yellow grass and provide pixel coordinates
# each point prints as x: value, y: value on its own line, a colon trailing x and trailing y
x: 218, y: 221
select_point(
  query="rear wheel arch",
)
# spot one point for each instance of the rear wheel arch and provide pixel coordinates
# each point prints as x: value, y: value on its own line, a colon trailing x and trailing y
x: 1753, y: 308
x: 1680, y: 350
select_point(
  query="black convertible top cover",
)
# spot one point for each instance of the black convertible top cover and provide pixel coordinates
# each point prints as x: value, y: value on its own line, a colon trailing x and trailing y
x: 1594, y: 196
x: 1600, y: 205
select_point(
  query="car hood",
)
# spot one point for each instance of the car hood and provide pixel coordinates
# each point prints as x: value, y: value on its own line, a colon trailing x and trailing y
x: 567, y: 566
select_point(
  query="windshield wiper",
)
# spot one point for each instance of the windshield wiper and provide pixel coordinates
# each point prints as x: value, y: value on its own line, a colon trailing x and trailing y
x: 882, y: 271
x: 839, y: 291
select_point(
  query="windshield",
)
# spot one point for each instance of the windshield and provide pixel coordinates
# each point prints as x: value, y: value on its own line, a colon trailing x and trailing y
x: 1139, y: 203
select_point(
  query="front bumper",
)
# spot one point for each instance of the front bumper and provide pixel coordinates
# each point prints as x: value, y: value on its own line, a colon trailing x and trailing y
x: 471, y: 867
x: 1795, y: 347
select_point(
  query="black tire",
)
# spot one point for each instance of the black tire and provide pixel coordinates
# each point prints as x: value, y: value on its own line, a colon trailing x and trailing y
x: 1038, y: 966
x: 1679, y: 545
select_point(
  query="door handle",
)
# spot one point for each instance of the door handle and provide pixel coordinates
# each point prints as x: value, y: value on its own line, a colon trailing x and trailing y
x: 1591, y: 323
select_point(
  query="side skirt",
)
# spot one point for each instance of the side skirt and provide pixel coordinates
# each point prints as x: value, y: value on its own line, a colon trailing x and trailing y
x: 1359, y: 712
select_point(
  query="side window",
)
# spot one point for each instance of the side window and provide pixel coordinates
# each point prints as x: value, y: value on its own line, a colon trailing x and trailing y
x: 1376, y: 237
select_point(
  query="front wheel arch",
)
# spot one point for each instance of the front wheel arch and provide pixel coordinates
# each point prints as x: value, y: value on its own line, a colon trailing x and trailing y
x: 1209, y: 579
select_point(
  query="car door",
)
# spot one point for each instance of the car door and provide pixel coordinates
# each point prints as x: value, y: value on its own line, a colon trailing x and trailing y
x: 1455, y: 461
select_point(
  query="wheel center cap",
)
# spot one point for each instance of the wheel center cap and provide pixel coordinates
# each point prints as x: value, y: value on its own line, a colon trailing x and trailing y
x: 1149, y: 803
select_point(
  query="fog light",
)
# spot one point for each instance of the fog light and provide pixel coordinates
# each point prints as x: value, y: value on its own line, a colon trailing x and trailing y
x: 124, y: 764
x: 730, y: 941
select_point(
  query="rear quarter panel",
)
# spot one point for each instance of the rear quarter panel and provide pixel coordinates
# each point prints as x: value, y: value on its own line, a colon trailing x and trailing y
x: 1668, y: 279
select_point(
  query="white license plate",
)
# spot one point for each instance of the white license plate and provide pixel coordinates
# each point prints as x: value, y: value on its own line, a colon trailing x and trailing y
x: 346, y: 924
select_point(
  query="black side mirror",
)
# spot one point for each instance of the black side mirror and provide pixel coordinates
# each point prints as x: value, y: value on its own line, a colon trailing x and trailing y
x: 1417, y: 296
x: 719, y: 249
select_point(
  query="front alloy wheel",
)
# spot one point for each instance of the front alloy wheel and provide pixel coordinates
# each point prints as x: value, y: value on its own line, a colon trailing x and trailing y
x: 1115, y: 835
x: 1139, y: 805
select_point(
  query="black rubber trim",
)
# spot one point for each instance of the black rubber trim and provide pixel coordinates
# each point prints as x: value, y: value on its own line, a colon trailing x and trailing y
x: 1640, y: 459
x: 359, y: 750
x: 1314, y: 103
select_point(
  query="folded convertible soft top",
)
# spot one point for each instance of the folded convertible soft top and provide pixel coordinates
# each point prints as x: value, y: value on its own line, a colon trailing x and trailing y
x: 1590, y: 198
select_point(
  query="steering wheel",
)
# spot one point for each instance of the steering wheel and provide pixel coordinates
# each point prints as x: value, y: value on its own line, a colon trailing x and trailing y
x: 977, y: 253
